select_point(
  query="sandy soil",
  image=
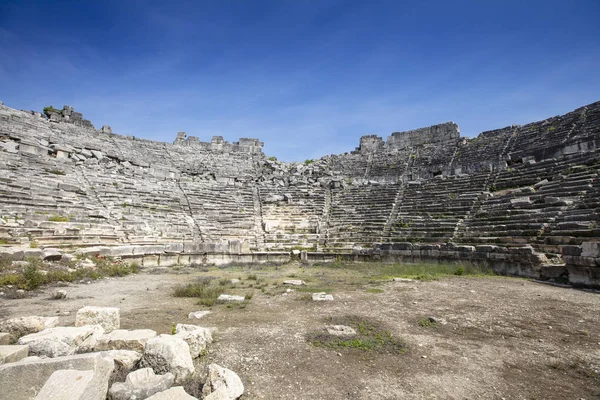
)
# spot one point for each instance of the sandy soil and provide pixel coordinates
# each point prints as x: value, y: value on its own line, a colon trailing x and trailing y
x: 498, y: 338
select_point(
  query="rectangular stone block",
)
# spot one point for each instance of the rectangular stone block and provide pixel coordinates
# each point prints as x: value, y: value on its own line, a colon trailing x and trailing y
x: 167, y: 260
x: 14, y: 353
x: 4, y: 338
x: 23, y: 380
x: 590, y: 249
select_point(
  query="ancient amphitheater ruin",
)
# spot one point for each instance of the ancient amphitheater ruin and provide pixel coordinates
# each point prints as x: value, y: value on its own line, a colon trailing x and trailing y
x: 211, y: 222
x: 522, y: 198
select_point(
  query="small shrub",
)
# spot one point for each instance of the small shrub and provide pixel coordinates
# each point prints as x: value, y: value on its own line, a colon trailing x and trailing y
x: 427, y: 323
x: 33, y: 277
x: 249, y: 296
x: 459, y: 271
x: 252, y: 277
x: 33, y: 244
x: 206, y: 294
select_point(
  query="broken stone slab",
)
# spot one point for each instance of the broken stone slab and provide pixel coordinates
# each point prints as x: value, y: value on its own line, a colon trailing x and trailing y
x: 122, y: 339
x: 18, y: 327
x: 229, y: 297
x: 198, y: 314
x: 63, y: 341
x: 340, y: 330
x: 405, y: 280
x: 167, y: 353
x: 294, y: 282
x: 23, y: 380
x: 13, y: 353
x: 125, y: 362
x: 590, y: 249
x: 141, y: 384
x: 219, y: 377
x: 197, y: 337
x: 175, y: 393
x: 322, y: 297
x: 51, y: 255
x: 107, y: 317
x: 69, y: 385
x: 4, y: 338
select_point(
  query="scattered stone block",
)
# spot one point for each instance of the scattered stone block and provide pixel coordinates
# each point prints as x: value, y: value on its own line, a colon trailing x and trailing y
x: 141, y: 384
x: 69, y: 385
x: 294, y: 282
x: 166, y: 353
x: 322, y: 297
x: 175, y: 393
x: 404, y: 280
x: 60, y: 295
x: 125, y: 362
x: 195, y: 336
x: 4, y: 338
x: 590, y: 249
x: 13, y: 353
x: 23, y: 380
x: 122, y: 339
x: 22, y: 326
x: 51, y: 255
x: 107, y: 317
x: 229, y: 297
x: 219, y: 377
x: 199, y: 314
x: 63, y: 341
x: 341, y: 330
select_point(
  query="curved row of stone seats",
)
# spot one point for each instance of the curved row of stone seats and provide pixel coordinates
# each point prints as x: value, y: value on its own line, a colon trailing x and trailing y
x: 430, y: 210
x: 291, y: 216
x: 358, y: 215
x: 532, y: 213
x: 221, y: 211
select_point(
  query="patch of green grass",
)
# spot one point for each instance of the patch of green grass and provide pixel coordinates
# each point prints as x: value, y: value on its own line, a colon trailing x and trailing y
x: 370, y: 336
x: 374, y: 290
x: 427, y: 323
x: 207, y: 295
x: 252, y: 277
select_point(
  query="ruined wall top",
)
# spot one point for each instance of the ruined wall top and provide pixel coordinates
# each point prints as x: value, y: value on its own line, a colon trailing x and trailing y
x: 217, y: 143
x: 68, y: 115
x: 436, y: 134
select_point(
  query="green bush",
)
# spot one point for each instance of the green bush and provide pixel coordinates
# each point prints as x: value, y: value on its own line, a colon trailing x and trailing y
x: 33, y: 277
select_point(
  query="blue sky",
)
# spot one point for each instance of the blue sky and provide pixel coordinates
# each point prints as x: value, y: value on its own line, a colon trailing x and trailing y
x: 306, y: 77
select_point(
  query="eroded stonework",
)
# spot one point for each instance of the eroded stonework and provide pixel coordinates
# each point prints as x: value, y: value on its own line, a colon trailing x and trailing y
x: 64, y: 183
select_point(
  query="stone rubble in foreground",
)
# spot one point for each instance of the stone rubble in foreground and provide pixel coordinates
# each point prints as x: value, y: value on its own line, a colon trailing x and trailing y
x: 84, y: 363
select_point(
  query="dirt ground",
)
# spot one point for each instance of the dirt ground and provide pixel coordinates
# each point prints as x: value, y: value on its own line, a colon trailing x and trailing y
x: 497, y: 338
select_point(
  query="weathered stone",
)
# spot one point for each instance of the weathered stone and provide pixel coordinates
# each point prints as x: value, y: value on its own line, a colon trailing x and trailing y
x: 222, y: 377
x: 51, y: 255
x: 405, y: 280
x: 199, y: 314
x: 60, y: 294
x: 122, y: 339
x: 590, y: 249
x: 294, y: 282
x: 13, y: 353
x: 23, y: 380
x: 166, y: 353
x: 63, y: 341
x: 341, y: 330
x: 141, y: 384
x: 228, y: 297
x: 175, y: 393
x: 196, y: 337
x: 107, y: 317
x: 69, y: 385
x: 4, y: 338
x: 125, y: 362
x: 22, y: 326
x: 322, y: 297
